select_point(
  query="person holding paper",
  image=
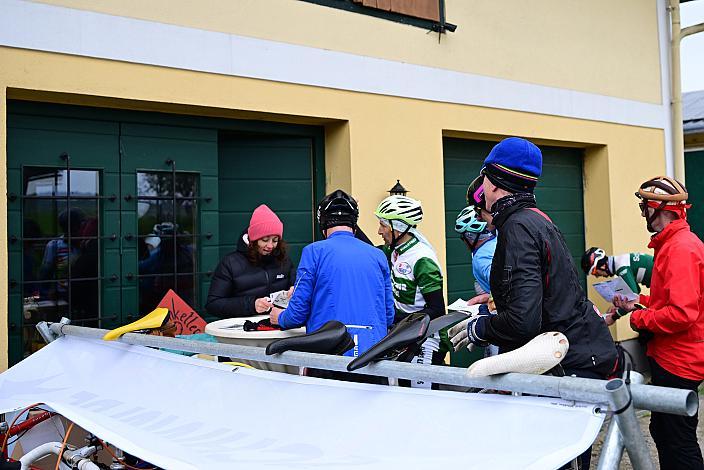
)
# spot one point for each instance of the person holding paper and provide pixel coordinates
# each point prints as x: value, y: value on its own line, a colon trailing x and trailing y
x: 341, y: 278
x: 481, y: 242
x: 479, y: 234
x: 259, y: 266
x: 480, y: 238
x: 634, y: 268
x: 673, y: 315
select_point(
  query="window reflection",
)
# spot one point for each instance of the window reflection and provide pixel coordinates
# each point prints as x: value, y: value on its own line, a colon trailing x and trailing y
x: 54, y: 182
x: 161, y: 184
x: 167, y: 243
x: 60, y: 241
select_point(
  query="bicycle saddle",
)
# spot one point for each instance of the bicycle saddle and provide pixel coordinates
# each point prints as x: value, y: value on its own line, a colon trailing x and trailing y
x: 409, y: 332
x: 331, y: 338
x: 151, y: 321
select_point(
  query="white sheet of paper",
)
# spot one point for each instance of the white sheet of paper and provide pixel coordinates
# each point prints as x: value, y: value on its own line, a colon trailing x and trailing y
x: 608, y: 289
x: 460, y: 305
x: 279, y: 298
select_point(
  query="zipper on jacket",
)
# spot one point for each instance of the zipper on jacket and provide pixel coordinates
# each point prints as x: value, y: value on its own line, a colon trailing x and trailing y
x: 268, y: 281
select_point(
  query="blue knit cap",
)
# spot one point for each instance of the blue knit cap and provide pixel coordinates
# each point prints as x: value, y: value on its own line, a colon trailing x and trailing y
x: 514, y: 164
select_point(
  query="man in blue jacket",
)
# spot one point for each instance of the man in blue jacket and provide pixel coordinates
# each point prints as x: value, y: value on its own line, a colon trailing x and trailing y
x: 341, y: 278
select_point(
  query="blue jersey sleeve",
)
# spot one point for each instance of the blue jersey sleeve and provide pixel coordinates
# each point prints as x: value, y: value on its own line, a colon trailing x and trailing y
x: 388, y: 293
x: 481, y: 264
x: 298, y: 310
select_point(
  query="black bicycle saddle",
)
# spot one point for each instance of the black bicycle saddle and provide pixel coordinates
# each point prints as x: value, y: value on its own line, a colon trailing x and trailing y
x: 331, y: 338
x: 411, y: 331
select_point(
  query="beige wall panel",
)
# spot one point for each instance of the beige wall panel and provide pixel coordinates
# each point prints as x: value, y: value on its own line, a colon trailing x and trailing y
x: 338, y: 161
x: 3, y: 230
x: 611, y: 176
x: 399, y: 142
x: 371, y: 140
x: 597, y: 46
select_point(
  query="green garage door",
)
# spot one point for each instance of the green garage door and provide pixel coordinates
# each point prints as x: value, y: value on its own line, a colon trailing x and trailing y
x: 110, y: 209
x: 694, y: 170
x: 559, y: 194
x: 272, y: 170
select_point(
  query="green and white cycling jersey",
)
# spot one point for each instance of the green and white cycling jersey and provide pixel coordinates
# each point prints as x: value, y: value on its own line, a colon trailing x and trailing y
x: 633, y: 268
x: 415, y: 271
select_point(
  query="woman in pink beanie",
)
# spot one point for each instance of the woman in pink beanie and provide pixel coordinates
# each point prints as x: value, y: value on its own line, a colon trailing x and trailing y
x: 260, y: 266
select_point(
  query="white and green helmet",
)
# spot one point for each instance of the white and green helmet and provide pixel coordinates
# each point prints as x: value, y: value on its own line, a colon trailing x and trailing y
x: 467, y: 221
x: 401, y: 208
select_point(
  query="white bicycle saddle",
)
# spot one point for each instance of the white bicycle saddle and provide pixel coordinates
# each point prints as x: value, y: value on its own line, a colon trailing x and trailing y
x: 539, y: 355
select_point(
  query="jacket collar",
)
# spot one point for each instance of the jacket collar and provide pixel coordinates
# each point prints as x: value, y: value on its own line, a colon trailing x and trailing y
x: 341, y: 233
x: 507, y: 205
x: 659, y: 239
x: 407, y: 245
x: 483, y: 243
x: 241, y: 244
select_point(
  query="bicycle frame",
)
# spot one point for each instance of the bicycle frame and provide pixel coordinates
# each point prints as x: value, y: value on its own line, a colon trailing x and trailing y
x: 22, y: 427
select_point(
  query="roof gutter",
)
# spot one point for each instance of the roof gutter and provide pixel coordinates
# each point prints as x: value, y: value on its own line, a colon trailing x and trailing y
x: 677, y: 34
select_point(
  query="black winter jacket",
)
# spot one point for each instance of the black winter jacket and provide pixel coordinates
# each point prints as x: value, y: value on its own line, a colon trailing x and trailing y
x: 236, y: 283
x: 535, y: 286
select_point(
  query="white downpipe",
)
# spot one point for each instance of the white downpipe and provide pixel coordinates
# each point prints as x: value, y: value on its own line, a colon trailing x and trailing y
x: 664, y: 33
x: 677, y: 132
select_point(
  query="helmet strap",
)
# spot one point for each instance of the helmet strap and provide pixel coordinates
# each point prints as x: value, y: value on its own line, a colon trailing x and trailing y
x: 473, y: 244
x: 394, y: 239
x: 649, y: 219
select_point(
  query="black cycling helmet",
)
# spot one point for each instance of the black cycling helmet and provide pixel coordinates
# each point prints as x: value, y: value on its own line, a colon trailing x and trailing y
x: 475, y: 193
x: 595, y: 258
x: 337, y: 208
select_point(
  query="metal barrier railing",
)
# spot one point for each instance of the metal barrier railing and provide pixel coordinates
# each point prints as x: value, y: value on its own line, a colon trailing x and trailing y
x: 617, y: 395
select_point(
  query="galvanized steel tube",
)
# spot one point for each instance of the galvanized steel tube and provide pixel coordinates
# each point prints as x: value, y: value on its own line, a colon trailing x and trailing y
x: 625, y: 416
x: 612, y: 449
x: 665, y: 400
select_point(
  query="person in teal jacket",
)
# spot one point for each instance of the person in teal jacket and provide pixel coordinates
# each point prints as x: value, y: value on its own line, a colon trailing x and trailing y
x: 481, y: 241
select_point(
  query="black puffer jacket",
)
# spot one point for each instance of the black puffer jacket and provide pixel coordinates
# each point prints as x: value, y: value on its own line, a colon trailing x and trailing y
x: 535, y: 287
x: 236, y: 283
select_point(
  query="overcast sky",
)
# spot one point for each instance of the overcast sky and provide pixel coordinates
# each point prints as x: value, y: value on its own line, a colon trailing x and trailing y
x: 692, y: 53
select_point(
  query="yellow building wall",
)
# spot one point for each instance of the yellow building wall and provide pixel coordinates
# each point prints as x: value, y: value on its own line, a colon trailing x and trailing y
x: 598, y: 46
x: 371, y: 140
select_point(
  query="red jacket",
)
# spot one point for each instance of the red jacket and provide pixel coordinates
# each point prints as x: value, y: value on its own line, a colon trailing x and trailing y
x: 675, y: 307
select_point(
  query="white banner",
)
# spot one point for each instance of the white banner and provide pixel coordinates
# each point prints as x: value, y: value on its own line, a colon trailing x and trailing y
x: 184, y: 413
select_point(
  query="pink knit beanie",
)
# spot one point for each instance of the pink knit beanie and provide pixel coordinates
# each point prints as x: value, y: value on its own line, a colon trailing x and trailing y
x: 264, y: 222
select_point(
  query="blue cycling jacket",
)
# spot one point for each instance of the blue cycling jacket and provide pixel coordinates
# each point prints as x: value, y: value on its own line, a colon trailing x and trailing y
x: 342, y: 278
x: 481, y: 263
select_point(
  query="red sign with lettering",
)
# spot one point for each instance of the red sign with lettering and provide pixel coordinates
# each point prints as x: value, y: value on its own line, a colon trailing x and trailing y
x: 187, y: 320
